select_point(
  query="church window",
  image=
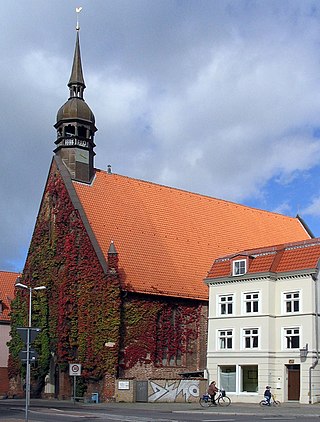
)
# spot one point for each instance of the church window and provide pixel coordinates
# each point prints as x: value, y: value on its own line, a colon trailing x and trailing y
x: 168, y: 352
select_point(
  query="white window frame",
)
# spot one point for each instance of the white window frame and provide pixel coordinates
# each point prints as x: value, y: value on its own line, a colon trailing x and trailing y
x: 252, y: 300
x: 242, y: 265
x: 228, y: 335
x: 226, y: 303
x: 286, y: 300
x: 250, y: 335
x: 239, y: 369
x: 290, y: 332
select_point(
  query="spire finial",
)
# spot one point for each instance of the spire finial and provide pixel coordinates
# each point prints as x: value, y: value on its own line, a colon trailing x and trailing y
x: 78, y: 10
x: 76, y: 83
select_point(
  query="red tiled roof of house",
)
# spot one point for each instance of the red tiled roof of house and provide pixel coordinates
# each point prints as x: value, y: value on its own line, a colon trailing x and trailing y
x: 7, y: 282
x: 167, y: 238
x: 294, y: 256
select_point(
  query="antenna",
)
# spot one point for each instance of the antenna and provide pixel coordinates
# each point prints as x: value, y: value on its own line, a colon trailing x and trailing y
x: 78, y: 10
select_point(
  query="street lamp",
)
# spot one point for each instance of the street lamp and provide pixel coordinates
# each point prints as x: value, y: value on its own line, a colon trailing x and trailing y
x: 23, y: 286
x: 304, y: 352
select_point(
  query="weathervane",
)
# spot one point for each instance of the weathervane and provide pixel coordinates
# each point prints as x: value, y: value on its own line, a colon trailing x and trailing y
x: 78, y: 10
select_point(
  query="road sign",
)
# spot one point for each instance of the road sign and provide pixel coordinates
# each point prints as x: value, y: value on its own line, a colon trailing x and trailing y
x: 74, y: 369
x: 33, y: 355
x: 23, y: 332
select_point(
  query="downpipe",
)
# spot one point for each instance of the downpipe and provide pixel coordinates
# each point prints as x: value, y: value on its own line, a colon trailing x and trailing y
x: 316, y: 361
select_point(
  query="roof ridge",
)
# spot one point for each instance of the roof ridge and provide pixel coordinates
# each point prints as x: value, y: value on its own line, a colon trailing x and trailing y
x: 273, y: 248
x: 10, y: 272
x: 105, y: 172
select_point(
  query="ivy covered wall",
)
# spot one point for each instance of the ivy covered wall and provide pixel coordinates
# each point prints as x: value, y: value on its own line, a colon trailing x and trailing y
x: 86, y: 318
x: 161, y: 336
x: 79, y: 312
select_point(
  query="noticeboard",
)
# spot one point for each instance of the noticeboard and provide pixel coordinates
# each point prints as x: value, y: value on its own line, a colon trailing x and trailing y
x: 123, y: 385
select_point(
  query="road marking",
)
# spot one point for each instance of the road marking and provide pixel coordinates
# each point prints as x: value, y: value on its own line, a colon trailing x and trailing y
x: 71, y: 414
x: 280, y: 418
x: 218, y: 420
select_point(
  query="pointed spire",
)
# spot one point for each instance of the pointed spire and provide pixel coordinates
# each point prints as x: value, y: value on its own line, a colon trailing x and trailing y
x: 76, y: 82
x: 112, y: 249
x: 75, y: 124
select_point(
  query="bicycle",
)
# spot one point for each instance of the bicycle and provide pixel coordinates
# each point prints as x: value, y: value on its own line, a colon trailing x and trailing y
x: 221, y: 400
x: 273, y: 402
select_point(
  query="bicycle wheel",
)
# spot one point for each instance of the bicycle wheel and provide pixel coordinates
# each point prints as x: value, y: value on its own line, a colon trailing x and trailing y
x: 204, y: 402
x: 224, y: 401
x: 263, y: 403
x: 276, y: 403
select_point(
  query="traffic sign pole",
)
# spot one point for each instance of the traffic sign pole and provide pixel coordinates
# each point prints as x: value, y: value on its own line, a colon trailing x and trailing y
x: 74, y: 371
x: 74, y: 389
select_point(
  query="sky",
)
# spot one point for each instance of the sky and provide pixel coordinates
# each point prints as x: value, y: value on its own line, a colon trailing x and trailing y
x: 217, y: 97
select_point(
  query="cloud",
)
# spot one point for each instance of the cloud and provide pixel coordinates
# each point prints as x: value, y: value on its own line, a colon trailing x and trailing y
x: 313, y: 208
x: 221, y: 98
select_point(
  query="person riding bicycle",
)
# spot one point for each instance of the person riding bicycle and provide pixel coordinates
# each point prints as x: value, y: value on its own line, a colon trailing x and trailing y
x: 267, y: 395
x: 212, y: 390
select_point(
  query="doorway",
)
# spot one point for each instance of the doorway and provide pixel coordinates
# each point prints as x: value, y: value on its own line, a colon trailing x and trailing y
x: 293, y: 372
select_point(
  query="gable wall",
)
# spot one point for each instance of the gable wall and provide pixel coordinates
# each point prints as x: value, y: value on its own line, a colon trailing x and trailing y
x: 80, y: 310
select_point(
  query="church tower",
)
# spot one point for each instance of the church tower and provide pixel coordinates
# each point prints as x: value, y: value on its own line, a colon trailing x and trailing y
x: 76, y: 126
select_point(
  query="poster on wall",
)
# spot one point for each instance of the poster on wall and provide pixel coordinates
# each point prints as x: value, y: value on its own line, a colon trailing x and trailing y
x: 123, y: 385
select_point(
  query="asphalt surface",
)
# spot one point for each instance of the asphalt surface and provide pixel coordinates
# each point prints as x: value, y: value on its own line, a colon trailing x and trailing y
x: 285, y: 409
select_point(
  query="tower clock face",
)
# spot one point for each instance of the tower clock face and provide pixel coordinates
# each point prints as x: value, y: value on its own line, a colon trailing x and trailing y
x: 82, y: 156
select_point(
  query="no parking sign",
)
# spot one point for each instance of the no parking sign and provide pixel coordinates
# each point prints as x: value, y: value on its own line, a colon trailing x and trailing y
x: 74, y: 369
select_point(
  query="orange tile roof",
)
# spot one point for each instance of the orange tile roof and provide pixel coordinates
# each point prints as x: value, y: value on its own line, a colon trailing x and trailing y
x: 167, y: 238
x: 7, y: 282
x: 294, y: 256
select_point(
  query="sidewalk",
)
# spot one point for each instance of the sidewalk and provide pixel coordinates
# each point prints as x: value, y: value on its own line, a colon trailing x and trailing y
x: 285, y: 409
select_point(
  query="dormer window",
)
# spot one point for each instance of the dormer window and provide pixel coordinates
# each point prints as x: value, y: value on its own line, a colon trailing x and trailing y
x: 239, y: 267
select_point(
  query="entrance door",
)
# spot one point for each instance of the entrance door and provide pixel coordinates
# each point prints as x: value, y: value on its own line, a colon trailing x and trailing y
x: 293, y: 382
x: 142, y: 391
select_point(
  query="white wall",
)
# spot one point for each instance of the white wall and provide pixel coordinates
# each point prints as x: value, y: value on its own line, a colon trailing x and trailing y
x: 4, y: 338
x: 271, y: 356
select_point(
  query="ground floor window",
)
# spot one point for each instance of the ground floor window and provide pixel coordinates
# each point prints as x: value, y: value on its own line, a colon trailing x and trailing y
x: 228, y: 378
x: 238, y: 378
x: 249, y: 378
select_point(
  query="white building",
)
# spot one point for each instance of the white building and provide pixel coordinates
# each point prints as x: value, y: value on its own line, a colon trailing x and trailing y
x: 264, y: 323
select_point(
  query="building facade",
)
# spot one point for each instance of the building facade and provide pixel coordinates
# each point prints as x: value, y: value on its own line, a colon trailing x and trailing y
x: 123, y: 262
x: 264, y: 322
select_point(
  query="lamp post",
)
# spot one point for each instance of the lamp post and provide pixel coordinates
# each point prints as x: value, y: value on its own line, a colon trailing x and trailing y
x: 23, y: 286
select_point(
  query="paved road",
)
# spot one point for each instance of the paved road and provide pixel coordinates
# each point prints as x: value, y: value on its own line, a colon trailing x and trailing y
x: 65, y: 411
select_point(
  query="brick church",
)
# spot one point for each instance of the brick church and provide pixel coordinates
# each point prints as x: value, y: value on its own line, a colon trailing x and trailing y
x: 123, y: 261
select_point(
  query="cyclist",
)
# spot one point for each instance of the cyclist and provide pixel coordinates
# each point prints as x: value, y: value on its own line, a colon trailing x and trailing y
x: 267, y: 395
x: 212, y: 390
